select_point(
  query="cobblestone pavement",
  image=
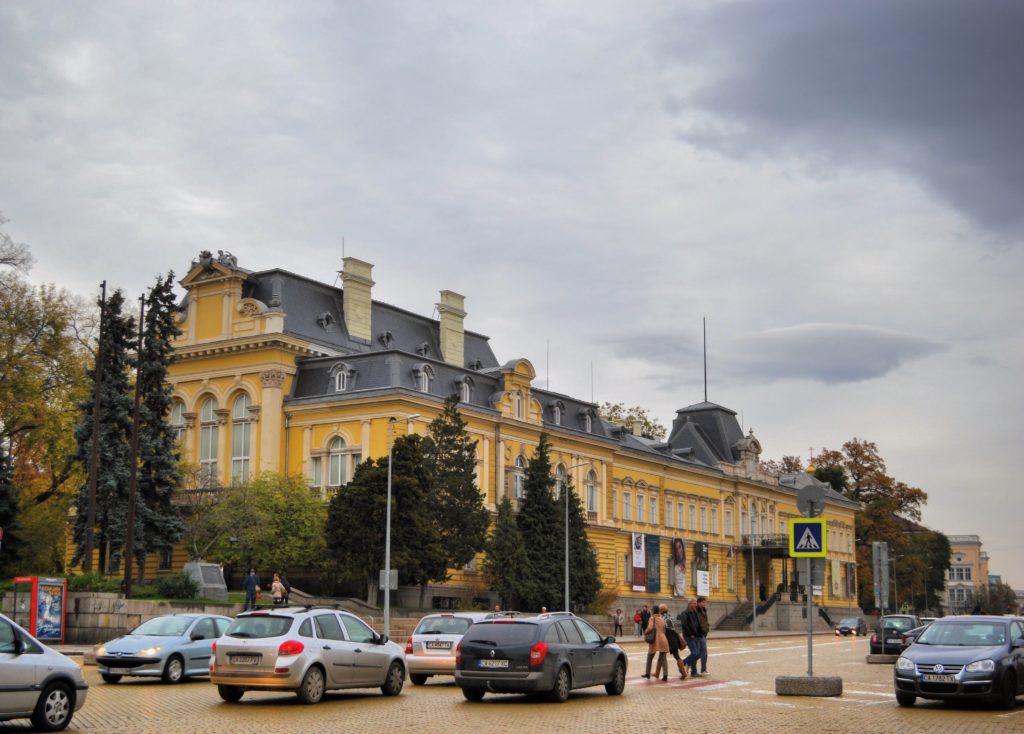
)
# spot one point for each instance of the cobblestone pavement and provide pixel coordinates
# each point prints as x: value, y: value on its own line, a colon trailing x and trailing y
x: 739, y: 696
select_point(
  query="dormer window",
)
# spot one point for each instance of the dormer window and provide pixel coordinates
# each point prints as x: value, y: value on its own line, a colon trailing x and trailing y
x: 464, y: 388
x: 341, y: 381
x: 344, y: 377
x: 422, y: 376
x: 587, y: 420
x: 556, y: 412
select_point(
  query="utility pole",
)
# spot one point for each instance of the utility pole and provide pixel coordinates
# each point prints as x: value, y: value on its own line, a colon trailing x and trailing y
x: 94, y: 451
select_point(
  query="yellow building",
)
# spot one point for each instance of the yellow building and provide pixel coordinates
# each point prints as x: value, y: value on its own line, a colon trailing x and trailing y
x: 277, y: 372
x: 967, y: 575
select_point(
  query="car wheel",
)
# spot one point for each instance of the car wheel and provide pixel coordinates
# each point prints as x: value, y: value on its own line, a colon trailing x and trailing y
x: 418, y: 679
x: 231, y: 694
x: 563, y: 684
x: 473, y: 694
x: 1008, y: 692
x: 54, y: 708
x: 617, y: 684
x: 174, y: 671
x: 110, y: 677
x: 311, y: 690
x: 905, y: 699
x: 395, y: 680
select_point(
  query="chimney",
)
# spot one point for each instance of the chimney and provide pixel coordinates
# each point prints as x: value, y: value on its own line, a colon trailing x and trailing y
x: 452, y: 336
x: 356, y: 303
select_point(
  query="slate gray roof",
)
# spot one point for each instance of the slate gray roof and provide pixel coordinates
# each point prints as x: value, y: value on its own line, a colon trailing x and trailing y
x: 799, y: 480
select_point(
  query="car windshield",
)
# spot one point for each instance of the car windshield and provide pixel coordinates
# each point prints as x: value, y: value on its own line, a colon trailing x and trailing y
x: 848, y: 622
x: 970, y: 634
x: 500, y: 633
x: 899, y: 623
x: 163, y: 626
x: 259, y: 626
x: 442, y: 626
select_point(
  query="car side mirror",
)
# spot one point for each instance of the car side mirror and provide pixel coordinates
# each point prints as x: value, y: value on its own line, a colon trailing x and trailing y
x: 380, y: 640
x: 19, y: 646
x: 608, y: 640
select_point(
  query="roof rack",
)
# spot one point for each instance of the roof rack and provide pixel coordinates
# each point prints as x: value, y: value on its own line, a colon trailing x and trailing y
x: 557, y: 614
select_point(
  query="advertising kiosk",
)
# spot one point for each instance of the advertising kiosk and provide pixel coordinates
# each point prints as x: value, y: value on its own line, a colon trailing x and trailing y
x: 40, y: 607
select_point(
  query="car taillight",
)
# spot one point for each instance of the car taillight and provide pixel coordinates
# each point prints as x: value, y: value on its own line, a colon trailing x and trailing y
x: 408, y: 646
x: 213, y: 647
x: 537, y: 653
x: 874, y: 638
x: 290, y: 647
x: 458, y: 654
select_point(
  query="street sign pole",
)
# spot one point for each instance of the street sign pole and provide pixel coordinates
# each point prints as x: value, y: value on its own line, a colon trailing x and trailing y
x: 810, y: 617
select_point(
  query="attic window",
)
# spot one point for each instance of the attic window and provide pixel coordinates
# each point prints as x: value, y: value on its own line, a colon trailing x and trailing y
x: 422, y: 375
x: 423, y: 349
x: 343, y: 376
x: 464, y: 389
x: 325, y: 320
x: 587, y: 420
x: 386, y: 338
x: 557, y: 408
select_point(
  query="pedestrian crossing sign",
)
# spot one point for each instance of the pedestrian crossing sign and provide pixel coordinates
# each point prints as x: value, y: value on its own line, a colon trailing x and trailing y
x: 807, y: 537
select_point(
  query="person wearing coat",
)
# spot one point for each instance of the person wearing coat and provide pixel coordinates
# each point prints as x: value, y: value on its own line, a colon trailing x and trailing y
x: 659, y: 647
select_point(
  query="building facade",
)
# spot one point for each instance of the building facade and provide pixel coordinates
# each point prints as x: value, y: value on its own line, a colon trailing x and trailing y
x: 278, y: 372
x: 967, y: 577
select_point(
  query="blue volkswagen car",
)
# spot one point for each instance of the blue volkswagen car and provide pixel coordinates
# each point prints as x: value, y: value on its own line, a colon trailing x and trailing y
x: 171, y: 647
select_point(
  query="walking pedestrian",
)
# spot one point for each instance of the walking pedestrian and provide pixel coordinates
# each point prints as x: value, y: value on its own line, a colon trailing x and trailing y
x: 645, y: 617
x: 287, y: 588
x: 251, y: 587
x: 638, y: 628
x: 675, y: 643
x: 690, y: 627
x: 705, y: 627
x: 277, y: 590
x: 658, y: 646
x: 618, y: 618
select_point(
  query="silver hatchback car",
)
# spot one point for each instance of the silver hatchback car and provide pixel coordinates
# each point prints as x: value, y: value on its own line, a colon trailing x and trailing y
x: 36, y: 682
x: 306, y: 650
x: 430, y: 649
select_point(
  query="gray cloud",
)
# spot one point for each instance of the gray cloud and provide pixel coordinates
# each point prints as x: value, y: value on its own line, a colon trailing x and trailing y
x: 929, y: 88
x: 827, y: 353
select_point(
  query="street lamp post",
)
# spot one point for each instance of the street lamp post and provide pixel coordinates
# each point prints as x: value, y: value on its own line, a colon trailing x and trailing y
x: 895, y: 587
x: 565, y: 491
x: 387, y: 531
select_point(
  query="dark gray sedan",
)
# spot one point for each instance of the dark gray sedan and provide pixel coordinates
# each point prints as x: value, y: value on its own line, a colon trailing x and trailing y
x: 975, y: 657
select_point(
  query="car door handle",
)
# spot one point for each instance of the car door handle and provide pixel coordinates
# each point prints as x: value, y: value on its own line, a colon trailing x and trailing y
x: 326, y: 647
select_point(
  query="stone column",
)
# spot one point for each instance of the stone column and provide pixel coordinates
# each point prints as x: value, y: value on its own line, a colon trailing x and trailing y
x: 272, y: 402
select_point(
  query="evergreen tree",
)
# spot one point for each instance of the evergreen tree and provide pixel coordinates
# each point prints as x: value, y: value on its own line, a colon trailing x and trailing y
x: 584, y: 579
x: 9, y: 520
x: 505, y: 557
x: 158, y: 522
x: 115, y: 424
x: 539, y: 524
x: 454, y: 499
x: 356, y: 520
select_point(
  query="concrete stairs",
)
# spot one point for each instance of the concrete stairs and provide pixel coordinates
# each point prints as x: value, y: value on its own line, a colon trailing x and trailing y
x: 737, y: 619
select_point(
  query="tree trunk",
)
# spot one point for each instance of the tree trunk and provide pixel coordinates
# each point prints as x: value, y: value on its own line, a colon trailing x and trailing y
x: 371, y: 589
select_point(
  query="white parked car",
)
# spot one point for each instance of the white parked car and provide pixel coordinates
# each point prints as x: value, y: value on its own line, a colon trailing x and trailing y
x: 36, y: 682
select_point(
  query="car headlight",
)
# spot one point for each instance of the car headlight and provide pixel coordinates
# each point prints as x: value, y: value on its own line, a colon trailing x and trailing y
x: 904, y: 664
x: 981, y: 666
x: 101, y: 650
x: 149, y: 652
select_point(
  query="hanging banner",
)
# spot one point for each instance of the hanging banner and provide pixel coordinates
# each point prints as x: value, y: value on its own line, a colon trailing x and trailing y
x: 837, y: 579
x: 639, y: 563
x: 700, y: 563
x: 678, y: 567
x: 654, y: 563
x: 851, y: 579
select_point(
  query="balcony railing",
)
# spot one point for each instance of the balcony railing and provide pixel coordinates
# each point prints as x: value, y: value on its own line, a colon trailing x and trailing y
x: 766, y: 540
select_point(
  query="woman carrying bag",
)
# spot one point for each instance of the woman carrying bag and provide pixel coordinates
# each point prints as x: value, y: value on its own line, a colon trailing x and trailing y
x: 657, y: 643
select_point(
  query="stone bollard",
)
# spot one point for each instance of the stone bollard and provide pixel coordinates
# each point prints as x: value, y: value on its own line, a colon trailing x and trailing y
x: 808, y: 685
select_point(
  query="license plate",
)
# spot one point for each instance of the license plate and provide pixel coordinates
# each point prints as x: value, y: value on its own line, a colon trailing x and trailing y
x: 492, y: 663
x: 438, y: 645
x: 893, y: 641
x: 244, y: 659
x: 120, y: 671
x: 931, y: 678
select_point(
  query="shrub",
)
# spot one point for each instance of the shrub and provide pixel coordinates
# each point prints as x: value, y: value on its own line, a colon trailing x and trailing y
x: 179, y: 586
x: 94, y: 581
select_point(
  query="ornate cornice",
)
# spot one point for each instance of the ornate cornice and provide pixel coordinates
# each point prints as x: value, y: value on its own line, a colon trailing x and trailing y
x: 297, y: 347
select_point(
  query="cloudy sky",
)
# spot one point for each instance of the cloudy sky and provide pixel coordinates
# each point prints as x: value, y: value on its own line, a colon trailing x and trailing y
x: 836, y: 187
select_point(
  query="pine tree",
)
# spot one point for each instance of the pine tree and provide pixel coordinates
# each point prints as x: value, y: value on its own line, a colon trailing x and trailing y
x: 453, y: 496
x: 9, y: 513
x: 505, y: 557
x: 158, y: 522
x: 115, y: 424
x: 584, y: 579
x: 542, y: 532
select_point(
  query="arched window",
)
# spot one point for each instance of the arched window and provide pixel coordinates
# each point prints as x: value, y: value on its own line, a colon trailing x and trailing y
x: 591, y: 491
x: 208, y: 442
x: 556, y: 413
x: 177, y: 419
x: 465, y: 390
x: 519, y: 478
x: 241, y: 434
x: 340, y: 381
x: 336, y: 462
x: 422, y: 376
x: 561, y: 480
x: 517, y: 405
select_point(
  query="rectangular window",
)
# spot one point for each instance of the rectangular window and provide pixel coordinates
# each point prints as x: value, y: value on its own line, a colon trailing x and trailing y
x: 615, y: 504
x: 714, y: 520
x: 693, y: 518
x: 316, y: 472
x: 728, y: 524
x: 703, y: 519
x: 654, y: 510
x: 627, y: 506
x: 166, y: 556
x: 208, y: 454
x: 334, y: 470
x: 743, y: 524
x: 730, y: 579
x: 240, y: 433
x: 668, y: 513
x: 967, y: 574
x: 591, y: 497
x: 714, y: 575
x: 639, y: 508
x: 680, y: 518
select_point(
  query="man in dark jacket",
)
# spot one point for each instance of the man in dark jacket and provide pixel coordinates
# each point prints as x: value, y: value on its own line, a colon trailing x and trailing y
x: 705, y: 627
x: 251, y: 585
x: 689, y: 624
x: 645, y: 617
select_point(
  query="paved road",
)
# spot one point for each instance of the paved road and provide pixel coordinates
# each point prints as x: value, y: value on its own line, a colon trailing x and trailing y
x: 738, y: 697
